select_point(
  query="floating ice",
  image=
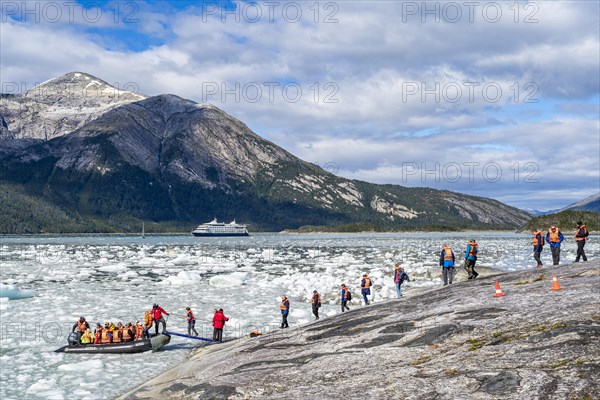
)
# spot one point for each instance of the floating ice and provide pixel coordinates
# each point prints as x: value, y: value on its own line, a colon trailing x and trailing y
x: 13, y: 292
x: 183, y: 278
x: 229, y: 280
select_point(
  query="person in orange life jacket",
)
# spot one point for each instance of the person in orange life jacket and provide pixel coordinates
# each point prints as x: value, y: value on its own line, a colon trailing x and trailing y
x: 118, y: 333
x: 538, y: 245
x: 399, y: 277
x: 191, y: 321
x: 128, y: 333
x: 157, y: 316
x: 316, y: 303
x: 219, y: 320
x: 107, y: 336
x: 447, y: 263
x: 98, y: 334
x: 365, y: 287
x: 80, y: 327
x: 471, y: 258
x: 345, y: 294
x: 147, y: 323
x: 140, y: 331
x: 555, y: 238
x: 580, y: 236
x: 285, y: 311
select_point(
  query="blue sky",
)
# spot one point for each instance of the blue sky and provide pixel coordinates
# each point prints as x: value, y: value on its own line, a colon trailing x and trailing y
x: 386, y: 91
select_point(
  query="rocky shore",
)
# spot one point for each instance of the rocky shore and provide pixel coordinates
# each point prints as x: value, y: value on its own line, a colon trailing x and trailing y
x: 455, y: 342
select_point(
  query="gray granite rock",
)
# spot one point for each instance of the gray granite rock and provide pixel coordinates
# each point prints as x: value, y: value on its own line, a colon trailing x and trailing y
x: 454, y: 342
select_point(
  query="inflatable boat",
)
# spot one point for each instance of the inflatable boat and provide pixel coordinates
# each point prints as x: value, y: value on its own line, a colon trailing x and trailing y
x: 138, y: 346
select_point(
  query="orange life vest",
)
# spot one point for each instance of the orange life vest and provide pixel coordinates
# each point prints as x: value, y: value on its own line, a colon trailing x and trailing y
x: 126, y: 335
x: 554, y: 235
x: 81, y: 326
x: 283, y: 305
x: 139, y: 331
x: 578, y: 231
x: 367, y: 283
x: 148, y: 319
x: 117, y: 335
x: 190, y: 316
x: 472, y: 251
x: 448, y: 254
x: 316, y: 298
x: 104, y: 336
x: 535, y: 241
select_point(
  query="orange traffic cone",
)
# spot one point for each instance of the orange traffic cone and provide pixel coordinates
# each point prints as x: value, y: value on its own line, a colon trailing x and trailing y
x: 555, y: 285
x: 498, y: 290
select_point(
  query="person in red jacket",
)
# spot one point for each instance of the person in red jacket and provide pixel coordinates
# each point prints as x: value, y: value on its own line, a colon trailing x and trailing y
x: 157, y: 315
x: 219, y: 320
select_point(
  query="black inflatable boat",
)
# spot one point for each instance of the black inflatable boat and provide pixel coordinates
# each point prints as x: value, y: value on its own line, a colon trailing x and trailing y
x: 138, y: 346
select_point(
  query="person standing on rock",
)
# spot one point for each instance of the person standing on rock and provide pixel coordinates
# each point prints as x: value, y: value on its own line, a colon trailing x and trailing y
x: 285, y: 311
x: 538, y: 245
x: 191, y: 322
x: 447, y: 263
x: 157, y: 317
x: 316, y: 303
x: 345, y: 297
x: 580, y: 236
x: 555, y: 238
x: 400, y: 276
x: 218, y: 321
x: 471, y: 258
x: 365, y: 286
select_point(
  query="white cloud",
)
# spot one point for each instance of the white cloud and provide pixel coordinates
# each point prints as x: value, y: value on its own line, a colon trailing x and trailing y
x: 370, y: 58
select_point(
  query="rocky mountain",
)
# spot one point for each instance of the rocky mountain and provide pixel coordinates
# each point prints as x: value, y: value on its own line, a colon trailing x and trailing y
x: 59, y: 106
x: 591, y: 203
x: 167, y: 159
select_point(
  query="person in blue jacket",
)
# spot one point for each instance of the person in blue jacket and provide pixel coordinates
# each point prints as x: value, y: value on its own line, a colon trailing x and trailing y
x: 345, y: 297
x: 555, y: 238
x: 471, y: 258
x: 285, y: 311
x: 447, y: 263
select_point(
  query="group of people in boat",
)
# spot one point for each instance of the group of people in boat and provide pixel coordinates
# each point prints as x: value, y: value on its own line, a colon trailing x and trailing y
x: 110, y: 333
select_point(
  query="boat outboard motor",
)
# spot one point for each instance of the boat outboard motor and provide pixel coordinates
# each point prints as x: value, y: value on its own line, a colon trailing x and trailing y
x: 73, y: 339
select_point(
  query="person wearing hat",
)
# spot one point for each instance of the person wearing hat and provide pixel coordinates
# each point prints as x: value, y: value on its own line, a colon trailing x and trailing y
x: 80, y: 326
x: 316, y: 303
x: 345, y: 297
x: 471, y: 258
x: 157, y: 316
x: 580, y: 236
x: 555, y: 238
x: 191, y: 321
x: 399, y: 277
x: 365, y: 286
x: 285, y: 311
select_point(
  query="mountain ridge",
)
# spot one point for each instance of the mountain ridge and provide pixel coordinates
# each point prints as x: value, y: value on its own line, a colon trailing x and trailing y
x: 165, y: 158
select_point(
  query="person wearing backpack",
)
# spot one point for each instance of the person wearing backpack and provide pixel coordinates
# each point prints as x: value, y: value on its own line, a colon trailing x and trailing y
x: 316, y: 303
x: 471, y: 258
x: 346, y: 297
x: 538, y: 245
x: 399, y: 278
x: 580, y: 236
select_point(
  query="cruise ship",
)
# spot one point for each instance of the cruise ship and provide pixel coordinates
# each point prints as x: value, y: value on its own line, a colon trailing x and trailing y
x: 215, y: 228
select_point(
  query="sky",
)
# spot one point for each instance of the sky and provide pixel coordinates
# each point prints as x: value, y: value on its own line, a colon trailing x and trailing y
x: 494, y: 99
